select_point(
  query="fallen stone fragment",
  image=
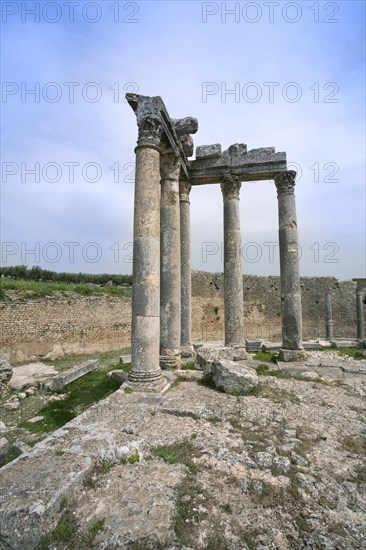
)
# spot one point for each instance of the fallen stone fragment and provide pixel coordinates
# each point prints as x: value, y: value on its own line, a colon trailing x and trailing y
x: 6, y: 371
x: 353, y: 370
x: 11, y: 405
x: 3, y: 428
x: 31, y: 374
x: 233, y: 377
x: 118, y: 375
x: 123, y: 359
x: 4, y: 447
x: 68, y: 376
x: 207, y: 357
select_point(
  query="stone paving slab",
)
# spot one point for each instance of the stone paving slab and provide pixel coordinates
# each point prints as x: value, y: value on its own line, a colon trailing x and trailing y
x: 30, y: 374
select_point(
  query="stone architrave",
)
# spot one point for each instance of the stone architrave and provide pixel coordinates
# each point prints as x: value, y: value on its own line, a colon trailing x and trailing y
x: 329, y: 335
x: 233, y: 275
x: 170, y: 300
x: 185, y: 265
x: 291, y: 316
x: 146, y: 373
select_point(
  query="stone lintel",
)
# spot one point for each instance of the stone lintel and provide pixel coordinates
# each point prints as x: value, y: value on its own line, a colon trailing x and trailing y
x: 256, y: 164
x: 361, y: 283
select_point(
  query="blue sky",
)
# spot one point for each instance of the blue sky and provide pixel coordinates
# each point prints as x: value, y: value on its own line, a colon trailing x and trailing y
x: 310, y: 54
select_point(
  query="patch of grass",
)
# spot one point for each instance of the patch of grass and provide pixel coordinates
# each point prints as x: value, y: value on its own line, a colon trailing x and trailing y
x: 182, y: 453
x: 214, y: 419
x: 128, y: 390
x: 65, y: 529
x: 30, y: 290
x: 208, y: 382
x: 135, y: 457
x: 265, y: 356
x: 264, y: 370
x: 188, y: 366
x: 355, y: 353
x: 12, y: 454
x: 80, y: 394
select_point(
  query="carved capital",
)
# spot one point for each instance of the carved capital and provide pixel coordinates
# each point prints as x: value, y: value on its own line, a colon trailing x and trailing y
x: 184, y: 190
x: 285, y: 182
x: 230, y: 187
x: 169, y: 166
x: 150, y: 131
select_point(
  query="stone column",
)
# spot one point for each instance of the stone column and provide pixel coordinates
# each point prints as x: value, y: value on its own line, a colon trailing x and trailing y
x: 360, y: 317
x: 233, y: 275
x: 185, y: 267
x: 328, y: 317
x: 170, y: 262
x: 291, y: 317
x: 146, y: 374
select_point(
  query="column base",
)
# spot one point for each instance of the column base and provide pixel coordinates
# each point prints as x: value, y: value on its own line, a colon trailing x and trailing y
x: 291, y: 355
x: 170, y: 359
x: 146, y: 382
x: 187, y: 352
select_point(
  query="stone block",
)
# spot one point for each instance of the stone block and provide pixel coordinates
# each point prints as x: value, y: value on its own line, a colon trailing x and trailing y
x: 68, y: 376
x: 118, y: 375
x: 344, y: 344
x: 253, y: 345
x: 207, y: 357
x: 271, y: 347
x: 125, y: 359
x: 233, y: 377
x: 4, y: 447
x: 6, y: 371
x: 208, y: 151
x: 291, y: 355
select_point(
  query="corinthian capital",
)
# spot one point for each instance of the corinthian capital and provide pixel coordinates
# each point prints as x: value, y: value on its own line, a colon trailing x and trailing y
x: 184, y: 190
x: 150, y: 131
x: 230, y: 187
x: 169, y: 166
x: 285, y: 182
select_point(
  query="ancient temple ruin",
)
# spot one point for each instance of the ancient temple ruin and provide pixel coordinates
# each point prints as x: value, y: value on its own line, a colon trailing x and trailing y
x: 161, y: 306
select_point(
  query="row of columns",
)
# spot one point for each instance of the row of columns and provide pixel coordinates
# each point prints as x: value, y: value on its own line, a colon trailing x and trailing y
x: 161, y: 303
x: 359, y: 314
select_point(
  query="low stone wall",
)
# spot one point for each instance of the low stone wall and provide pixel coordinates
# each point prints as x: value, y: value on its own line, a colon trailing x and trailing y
x: 61, y: 325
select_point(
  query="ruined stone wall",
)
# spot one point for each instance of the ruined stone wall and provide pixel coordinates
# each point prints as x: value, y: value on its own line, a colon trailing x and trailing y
x: 262, y: 303
x: 57, y: 325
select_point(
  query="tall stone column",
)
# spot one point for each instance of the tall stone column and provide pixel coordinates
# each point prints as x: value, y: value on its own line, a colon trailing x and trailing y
x: 360, y: 316
x: 146, y: 374
x: 233, y: 275
x: 185, y: 266
x: 170, y: 314
x: 329, y: 335
x: 291, y: 316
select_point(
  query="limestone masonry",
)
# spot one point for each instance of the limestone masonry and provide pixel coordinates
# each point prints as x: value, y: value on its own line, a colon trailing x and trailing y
x: 54, y: 326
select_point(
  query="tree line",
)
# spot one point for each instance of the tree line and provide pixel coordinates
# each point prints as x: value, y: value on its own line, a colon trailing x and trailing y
x: 36, y: 273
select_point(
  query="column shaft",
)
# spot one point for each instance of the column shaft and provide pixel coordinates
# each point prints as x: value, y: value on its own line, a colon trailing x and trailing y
x: 360, y: 316
x: 146, y: 373
x: 291, y: 314
x: 185, y: 265
x: 329, y: 317
x: 170, y: 313
x: 233, y: 275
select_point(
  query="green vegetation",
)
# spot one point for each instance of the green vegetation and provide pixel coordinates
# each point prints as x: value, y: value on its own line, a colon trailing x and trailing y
x: 135, y: 457
x: 188, y: 366
x: 66, y: 531
x: 177, y: 452
x: 79, y: 395
x: 265, y: 356
x: 39, y: 289
x: 264, y: 370
x: 36, y: 273
x: 12, y: 454
x: 105, y: 359
x: 355, y: 353
x: 128, y: 390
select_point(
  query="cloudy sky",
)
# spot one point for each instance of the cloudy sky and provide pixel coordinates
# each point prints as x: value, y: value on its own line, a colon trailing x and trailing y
x: 284, y: 74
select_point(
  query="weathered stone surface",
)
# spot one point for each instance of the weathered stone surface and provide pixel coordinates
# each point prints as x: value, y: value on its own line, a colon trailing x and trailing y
x: 68, y: 376
x: 292, y: 355
x: 3, y: 427
x: 208, y: 151
x: 185, y: 264
x: 187, y: 125
x: 234, y: 377
x: 30, y: 375
x: 344, y: 344
x: 6, y: 371
x: 4, y: 447
x: 253, y: 345
x: 123, y: 359
x: 118, y: 375
x: 187, y: 144
x: 207, y: 357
